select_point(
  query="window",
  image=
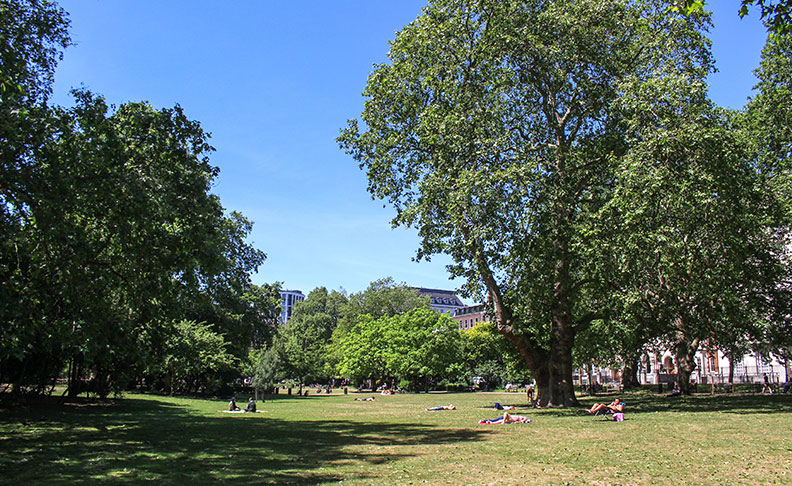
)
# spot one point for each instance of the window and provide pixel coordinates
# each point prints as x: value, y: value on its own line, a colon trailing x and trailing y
x: 762, y: 365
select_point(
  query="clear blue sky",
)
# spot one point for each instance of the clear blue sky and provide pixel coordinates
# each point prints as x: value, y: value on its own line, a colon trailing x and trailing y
x: 273, y: 82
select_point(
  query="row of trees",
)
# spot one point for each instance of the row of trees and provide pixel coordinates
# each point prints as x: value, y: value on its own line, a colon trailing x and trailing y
x: 116, y: 261
x: 567, y: 157
x: 385, y: 334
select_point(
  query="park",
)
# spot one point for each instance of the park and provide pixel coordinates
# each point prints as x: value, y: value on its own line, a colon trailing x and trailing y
x: 703, y: 439
x: 618, y: 226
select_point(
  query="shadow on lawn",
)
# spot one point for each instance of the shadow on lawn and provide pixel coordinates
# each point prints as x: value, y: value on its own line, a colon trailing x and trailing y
x: 645, y: 403
x: 138, y: 440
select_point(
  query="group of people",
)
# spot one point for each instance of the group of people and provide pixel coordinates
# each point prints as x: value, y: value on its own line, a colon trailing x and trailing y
x: 506, y: 418
x: 233, y: 407
x: 616, y: 406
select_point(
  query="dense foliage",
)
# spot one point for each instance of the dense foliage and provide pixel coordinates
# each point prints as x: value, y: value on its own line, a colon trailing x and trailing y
x: 110, y: 232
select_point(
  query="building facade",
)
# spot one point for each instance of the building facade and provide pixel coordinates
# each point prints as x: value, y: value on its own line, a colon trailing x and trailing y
x: 470, y: 316
x: 289, y: 298
x: 444, y: 301
x: 712, y: 368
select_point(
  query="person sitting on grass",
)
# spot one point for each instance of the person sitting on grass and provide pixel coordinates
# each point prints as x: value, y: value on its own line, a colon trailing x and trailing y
x: 232, y: 405
x: 441, y: 407
x: 251, y: 406
x: 507, y: 418
x: 675, y: 392
x: 615, y: 406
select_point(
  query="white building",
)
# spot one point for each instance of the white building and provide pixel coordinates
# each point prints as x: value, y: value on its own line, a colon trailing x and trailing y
x: 290, y: 297
x: 712, y: 367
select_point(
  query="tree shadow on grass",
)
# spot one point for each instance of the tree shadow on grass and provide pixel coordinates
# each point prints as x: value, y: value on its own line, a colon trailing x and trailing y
x: 138, y: 440
x: 637, y: 403
x: 647, y: 403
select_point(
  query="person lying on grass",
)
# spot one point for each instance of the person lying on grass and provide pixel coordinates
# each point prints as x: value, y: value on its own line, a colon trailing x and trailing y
x: 498, y: 406
x: 507, y: 418
x: 369, y: 399
x: 615, y: 406
x: 441, y: 407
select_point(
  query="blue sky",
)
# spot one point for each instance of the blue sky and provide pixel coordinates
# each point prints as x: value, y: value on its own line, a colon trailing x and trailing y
x: 273, y: 82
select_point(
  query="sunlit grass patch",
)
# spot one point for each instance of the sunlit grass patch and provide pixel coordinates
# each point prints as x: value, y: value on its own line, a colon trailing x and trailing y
x: 330, y: 439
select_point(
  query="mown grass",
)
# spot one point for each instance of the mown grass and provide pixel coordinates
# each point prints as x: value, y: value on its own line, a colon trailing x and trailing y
x: 331, y: 439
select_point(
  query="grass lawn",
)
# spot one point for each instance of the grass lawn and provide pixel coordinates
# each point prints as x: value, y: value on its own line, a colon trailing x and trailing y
x: 324, y: 439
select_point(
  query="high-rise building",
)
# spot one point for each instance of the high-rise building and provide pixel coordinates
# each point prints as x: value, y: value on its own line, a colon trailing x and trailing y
x: 290, y: 297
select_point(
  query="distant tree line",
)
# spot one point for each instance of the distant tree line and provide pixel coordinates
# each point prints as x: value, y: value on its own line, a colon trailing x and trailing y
x: 387, y: 334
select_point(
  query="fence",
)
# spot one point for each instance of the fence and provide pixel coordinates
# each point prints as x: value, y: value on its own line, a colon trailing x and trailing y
x: 746, y: 374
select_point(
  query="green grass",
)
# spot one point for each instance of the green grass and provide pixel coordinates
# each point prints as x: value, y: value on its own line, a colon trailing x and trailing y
x: 330, y: 439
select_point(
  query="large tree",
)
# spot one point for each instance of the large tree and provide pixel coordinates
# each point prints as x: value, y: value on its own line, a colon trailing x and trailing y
x: 109, y: 230
x: 768, y: 120
x: 695, y: 233
x: 493, y: 131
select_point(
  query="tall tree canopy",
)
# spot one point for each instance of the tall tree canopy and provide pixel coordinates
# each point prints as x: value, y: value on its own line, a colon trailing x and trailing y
x: 109, y: 233
x: 494, y: 131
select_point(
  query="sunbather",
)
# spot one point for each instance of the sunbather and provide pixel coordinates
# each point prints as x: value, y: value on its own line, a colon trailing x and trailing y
x: 498, y: 406
x: 442, y: 407
x: 507, y: 418
x: 614, y: 406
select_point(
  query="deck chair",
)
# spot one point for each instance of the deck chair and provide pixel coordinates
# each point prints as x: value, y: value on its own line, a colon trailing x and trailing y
x: 608, y: 414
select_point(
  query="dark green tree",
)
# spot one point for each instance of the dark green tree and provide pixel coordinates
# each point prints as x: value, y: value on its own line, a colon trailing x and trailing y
x: 32, y: 36
x: 695, y: 235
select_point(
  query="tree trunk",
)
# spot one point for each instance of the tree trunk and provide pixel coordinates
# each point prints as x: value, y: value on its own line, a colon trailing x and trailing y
x: 562, y: 390
x: 685, y: 352
x: 551, y: 370
x: 630, y: 372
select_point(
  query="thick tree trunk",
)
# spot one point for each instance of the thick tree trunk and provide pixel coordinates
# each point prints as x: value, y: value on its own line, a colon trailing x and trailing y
x: 629, y: 378
x: 551, y: 368
x: 685, y: 351
x: 552, y: 371
x: 562, y: 390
